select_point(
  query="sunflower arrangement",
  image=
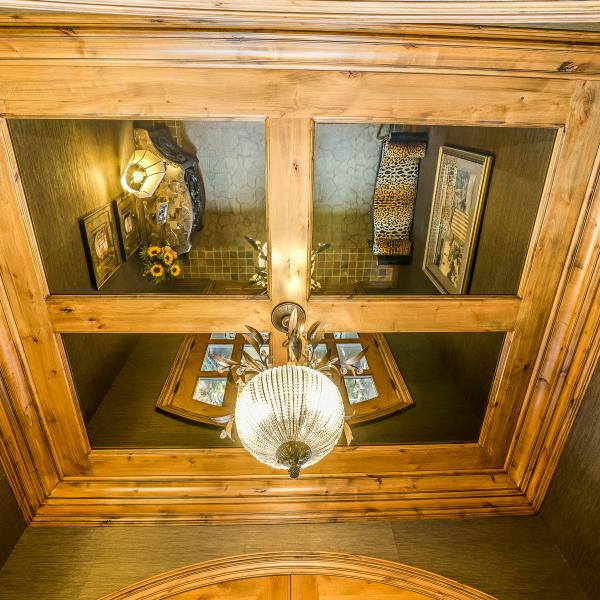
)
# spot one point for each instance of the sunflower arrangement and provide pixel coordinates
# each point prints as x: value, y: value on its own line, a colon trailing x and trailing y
x: 160, y: 263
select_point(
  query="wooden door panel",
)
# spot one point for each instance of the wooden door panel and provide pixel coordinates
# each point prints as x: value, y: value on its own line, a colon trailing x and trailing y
x: 255, y: 588
x: 325, y: 587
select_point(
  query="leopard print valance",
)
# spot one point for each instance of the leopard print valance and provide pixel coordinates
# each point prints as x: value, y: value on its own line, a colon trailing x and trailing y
x: 396, y: 193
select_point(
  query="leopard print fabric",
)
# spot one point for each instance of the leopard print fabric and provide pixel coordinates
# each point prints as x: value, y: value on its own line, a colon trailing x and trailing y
x: 395, y: 195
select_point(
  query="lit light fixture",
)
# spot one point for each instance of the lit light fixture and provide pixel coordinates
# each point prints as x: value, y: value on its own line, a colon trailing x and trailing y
x: 143, y: 173
x: 289, y: 416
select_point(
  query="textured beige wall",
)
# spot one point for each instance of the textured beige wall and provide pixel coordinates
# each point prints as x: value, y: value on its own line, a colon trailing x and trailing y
x: 11, y: 522
x: 510, y: 558
x: 571, y: 510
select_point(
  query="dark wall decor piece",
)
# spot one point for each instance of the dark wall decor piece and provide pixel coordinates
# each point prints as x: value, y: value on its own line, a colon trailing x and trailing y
x: 100, y: 243
x: 166, y: 145
x: 395, y: 195
x: 175, y: 209
x: 128, y: 224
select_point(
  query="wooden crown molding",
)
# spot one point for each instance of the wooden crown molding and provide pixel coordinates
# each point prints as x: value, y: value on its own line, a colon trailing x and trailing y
x: 267, y: 564
x: 334, y: 12
x: 49, y: 39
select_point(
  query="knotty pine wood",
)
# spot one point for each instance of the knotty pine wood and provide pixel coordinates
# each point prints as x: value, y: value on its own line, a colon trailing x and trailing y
x: 111, y: 91
x: 410, y: 49
x: 289, y: 210
x: 28, y: 461
x: 73, y: 314
x: 333, y: 13
x: 567, y: 367
x: 276, y: 587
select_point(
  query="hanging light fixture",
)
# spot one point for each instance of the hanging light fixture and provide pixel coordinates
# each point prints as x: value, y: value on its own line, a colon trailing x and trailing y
x: 143, y: 173
x: 289, y: 416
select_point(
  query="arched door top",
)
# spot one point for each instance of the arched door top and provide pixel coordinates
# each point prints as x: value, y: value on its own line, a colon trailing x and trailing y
x: 268, y: 564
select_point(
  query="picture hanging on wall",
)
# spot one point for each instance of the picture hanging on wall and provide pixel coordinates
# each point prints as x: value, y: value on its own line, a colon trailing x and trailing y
x: 99, y: 241
x: 460, y: 186
x: 128, y: 224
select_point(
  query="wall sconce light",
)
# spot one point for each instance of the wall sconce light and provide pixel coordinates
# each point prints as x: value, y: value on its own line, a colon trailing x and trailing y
x: 143, y: 173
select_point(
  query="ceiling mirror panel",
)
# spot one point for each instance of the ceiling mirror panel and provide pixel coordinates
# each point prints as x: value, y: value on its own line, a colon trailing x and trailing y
x: 424, y: 210
x: 169, y: 390
x: 122, y: 207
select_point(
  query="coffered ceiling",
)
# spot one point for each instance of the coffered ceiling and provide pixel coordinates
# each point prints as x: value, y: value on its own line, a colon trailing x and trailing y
x: 498, y: 82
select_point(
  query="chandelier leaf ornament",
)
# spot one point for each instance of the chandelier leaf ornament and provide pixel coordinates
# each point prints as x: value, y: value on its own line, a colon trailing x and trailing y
x: 289, y: 416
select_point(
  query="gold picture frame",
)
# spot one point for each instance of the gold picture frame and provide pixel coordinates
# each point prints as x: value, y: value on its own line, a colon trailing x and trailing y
x: 99, y: 241
x: 461, y: 183
x: 128, y: 224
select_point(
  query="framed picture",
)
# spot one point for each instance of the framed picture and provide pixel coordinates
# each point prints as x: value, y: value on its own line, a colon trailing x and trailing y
x: 162, y: 212
x: 460, y: 186
x: 98, y: 232
x: 128, y: 224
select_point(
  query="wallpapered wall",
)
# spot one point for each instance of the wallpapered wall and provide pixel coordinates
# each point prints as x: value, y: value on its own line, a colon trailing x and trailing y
x: 11, y: 521
x: 571, y: 509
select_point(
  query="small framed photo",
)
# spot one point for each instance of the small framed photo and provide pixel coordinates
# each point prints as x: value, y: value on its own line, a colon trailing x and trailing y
x: 128, y: 224
x: 460, y: 186
x: 162, y: 212
x: 99, y: 241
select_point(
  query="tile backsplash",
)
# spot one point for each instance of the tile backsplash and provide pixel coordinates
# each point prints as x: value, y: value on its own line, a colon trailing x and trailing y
x: 333, y: 266
x: 233, y: 263
x: 347, y: 265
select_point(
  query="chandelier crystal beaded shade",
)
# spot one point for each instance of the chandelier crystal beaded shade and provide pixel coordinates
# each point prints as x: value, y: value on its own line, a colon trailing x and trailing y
x: 288, y: 416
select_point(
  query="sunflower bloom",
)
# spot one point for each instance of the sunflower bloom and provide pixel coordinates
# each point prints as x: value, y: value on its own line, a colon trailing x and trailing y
x: 175, y: 270
x: 168, y: 258
x: 153, y: 250
x: 157, y: 270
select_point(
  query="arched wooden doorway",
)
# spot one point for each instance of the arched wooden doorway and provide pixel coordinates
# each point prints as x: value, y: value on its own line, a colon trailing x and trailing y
x: 298, y: 576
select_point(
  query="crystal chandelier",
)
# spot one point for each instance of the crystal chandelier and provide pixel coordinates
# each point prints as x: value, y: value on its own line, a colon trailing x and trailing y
x: 289, y: 416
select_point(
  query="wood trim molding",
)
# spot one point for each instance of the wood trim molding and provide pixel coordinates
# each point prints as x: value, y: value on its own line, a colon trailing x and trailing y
x: 363, y: 568
x: 566, y: 361
x: 24, y: 452
x: 408, y: 50
x: 274, y: 499
x: 334, y: 12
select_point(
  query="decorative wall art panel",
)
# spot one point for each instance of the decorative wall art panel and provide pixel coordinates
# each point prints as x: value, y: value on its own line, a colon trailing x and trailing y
x: 99, y: 240
x: 128, y: 224
x: 458, y: 197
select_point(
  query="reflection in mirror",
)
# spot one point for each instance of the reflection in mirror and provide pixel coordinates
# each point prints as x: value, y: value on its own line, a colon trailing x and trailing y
x: 424, y: 209
x: 159, y: 390
x: 123, y: 207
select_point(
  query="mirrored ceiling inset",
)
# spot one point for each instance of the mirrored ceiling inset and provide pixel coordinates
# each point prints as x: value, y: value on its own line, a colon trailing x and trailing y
x: 424, y: 210
x: 123, y: 207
